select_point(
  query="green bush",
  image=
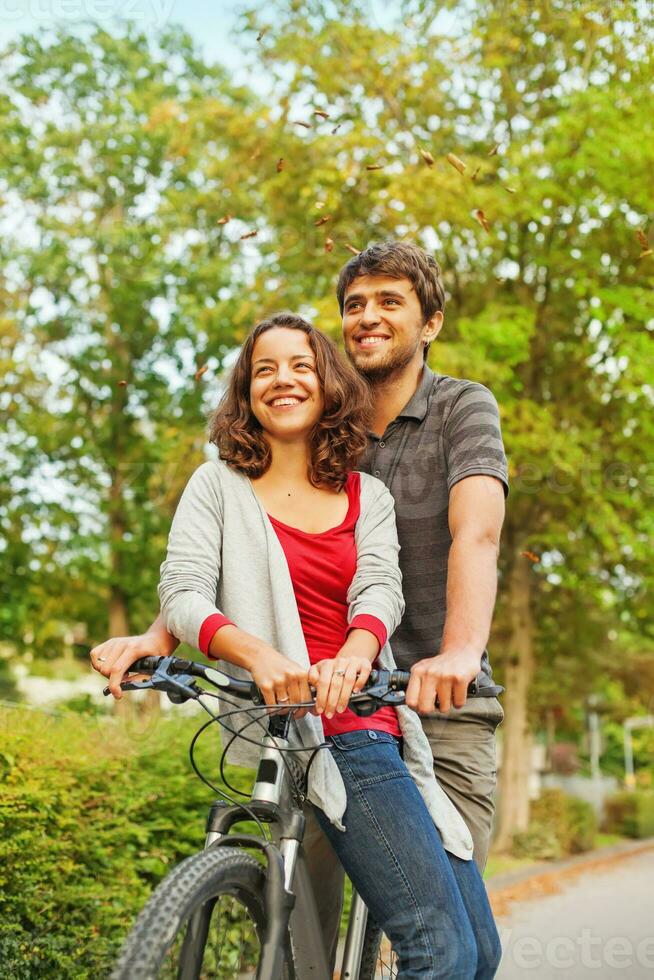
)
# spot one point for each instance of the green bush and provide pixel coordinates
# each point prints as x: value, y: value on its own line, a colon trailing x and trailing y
x: 559, y: 824
x: 630, y: 813
x: 94, y: 813
x: 582, y: 825
x: 539, y: 843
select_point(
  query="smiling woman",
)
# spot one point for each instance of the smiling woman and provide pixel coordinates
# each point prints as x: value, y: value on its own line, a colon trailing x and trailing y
x: 290, y: 384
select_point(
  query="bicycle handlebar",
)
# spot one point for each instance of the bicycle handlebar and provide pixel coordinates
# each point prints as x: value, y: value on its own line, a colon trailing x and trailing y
x: 174, y: 675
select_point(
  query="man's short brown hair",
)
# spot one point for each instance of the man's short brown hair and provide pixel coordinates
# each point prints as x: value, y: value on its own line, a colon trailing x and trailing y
x: 398, y: 260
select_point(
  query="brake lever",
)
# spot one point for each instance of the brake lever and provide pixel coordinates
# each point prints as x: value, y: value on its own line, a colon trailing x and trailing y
x: 380, y: 695
x: 184, y: 685
x: 131, y: 686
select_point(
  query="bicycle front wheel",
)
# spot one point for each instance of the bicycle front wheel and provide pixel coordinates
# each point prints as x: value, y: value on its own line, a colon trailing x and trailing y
x: 378, y: 961
x: 205, y: 921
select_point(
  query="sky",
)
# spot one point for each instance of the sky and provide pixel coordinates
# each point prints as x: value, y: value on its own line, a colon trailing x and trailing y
x: 210, y: 23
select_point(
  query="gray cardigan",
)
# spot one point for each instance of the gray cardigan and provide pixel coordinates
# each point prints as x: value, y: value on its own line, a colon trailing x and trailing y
x: 224, y: 556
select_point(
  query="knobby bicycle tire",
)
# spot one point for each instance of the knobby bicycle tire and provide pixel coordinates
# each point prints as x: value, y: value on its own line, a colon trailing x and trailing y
x: 216, y: 872
x: 377, y: 961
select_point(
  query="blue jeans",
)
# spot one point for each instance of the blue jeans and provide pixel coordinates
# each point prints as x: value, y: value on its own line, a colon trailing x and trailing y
x: 431, y: 905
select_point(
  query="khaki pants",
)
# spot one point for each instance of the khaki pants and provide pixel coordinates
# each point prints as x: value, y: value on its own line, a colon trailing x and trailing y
x: 463, y: 746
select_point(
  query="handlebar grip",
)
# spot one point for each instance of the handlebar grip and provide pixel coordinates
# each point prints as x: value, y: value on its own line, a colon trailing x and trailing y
x: 145, y: 665
x: 400, y: 679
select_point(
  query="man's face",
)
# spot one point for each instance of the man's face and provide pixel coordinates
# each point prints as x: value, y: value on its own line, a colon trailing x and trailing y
x: 383, y: 327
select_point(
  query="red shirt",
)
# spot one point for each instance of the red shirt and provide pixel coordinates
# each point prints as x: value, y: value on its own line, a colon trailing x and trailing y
x: 322, y: 567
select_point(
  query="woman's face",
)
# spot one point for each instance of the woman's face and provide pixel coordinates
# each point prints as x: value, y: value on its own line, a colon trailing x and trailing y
x: 286, y: 396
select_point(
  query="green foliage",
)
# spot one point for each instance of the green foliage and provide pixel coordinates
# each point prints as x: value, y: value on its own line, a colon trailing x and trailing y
x: 539, y: 843
x: 550, y: 307
x: 630, y: 813
x: 122, y: 288
x: 8, y: 689
x: 559, y: 824
x: 93, y: 815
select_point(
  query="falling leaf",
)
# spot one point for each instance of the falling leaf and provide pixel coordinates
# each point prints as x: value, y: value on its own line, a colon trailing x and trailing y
x: 482, y: 219
x: 648, y: 251
x: 329, y: 245
x: 375, y: 166
x: 456, y: 163
x: 201, y: 371
x: 249, y: 234
x: 500, y: 279
x: 336, y: 129
x: 351, y: 248
x: 122, y: 384
x: 531, y: 556
x: 261, y: 33
x: 643, y: 240
x: 494, y: 150
x: 509, y: 190
x: 224, y: 220
x: 474, y: 176
x: 256, y: 154
x: 321, y: 113
x: 299, y: 122
x: 280, y: 165
x: 427, y: 157
x: 323, y: 221
x: 319, y: 205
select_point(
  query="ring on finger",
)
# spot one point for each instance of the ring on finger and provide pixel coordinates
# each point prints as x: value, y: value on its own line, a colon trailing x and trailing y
x: 339, y: 673
x: 282, y: 700
x: 101, y: 660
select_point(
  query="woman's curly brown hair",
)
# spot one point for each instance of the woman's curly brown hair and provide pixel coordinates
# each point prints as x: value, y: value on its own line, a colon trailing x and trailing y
x: 338, y: 438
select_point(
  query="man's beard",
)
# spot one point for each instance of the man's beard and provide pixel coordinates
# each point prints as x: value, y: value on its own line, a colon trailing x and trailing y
x: 386, y: 367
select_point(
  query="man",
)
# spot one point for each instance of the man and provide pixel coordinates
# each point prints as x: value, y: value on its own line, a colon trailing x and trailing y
x: 437, y: 445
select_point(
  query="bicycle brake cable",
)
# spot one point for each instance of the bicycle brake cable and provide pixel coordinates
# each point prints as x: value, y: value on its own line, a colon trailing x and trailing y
x: 239, y: 709
x: 221, y: 793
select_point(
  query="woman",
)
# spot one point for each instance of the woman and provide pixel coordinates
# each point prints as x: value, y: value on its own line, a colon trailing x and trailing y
x: 280, y: 546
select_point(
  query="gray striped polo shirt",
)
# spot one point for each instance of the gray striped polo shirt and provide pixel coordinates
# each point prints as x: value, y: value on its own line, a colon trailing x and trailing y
x: 450, y: 429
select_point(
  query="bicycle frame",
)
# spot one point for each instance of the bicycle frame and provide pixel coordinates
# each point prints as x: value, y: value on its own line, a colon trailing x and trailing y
x: 289, y: 897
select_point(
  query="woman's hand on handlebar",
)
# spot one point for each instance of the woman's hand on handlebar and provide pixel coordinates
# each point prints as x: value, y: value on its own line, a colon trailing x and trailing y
x: 280, y: 680
x: 113, y: 658
x: 335, y: 680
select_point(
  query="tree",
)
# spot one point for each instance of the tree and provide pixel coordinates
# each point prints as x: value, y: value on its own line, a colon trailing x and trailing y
x: 511, y: 139
x: 119, y: 284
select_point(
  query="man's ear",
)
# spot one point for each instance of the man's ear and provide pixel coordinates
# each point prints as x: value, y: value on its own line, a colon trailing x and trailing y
x: 432, y: 328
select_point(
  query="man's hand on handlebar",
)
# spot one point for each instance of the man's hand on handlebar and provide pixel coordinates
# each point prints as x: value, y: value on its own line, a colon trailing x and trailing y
x: 441, y: 682
x: 114, y: 657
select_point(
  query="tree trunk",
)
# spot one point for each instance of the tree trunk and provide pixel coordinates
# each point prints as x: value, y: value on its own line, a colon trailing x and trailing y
x: 516, y: 744
x: 118, y: 621
x: 127, y: 707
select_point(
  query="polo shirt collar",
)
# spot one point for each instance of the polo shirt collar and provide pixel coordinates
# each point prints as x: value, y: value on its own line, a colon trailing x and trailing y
x: 416, y: 407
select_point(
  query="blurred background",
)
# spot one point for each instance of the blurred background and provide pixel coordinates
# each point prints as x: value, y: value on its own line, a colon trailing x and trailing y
x: 170, y: 173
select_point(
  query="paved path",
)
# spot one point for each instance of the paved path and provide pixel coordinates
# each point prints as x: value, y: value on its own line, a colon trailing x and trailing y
x: 597, y: 923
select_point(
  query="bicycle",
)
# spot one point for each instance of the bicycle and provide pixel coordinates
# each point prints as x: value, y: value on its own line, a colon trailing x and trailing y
x: 223, y: 914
